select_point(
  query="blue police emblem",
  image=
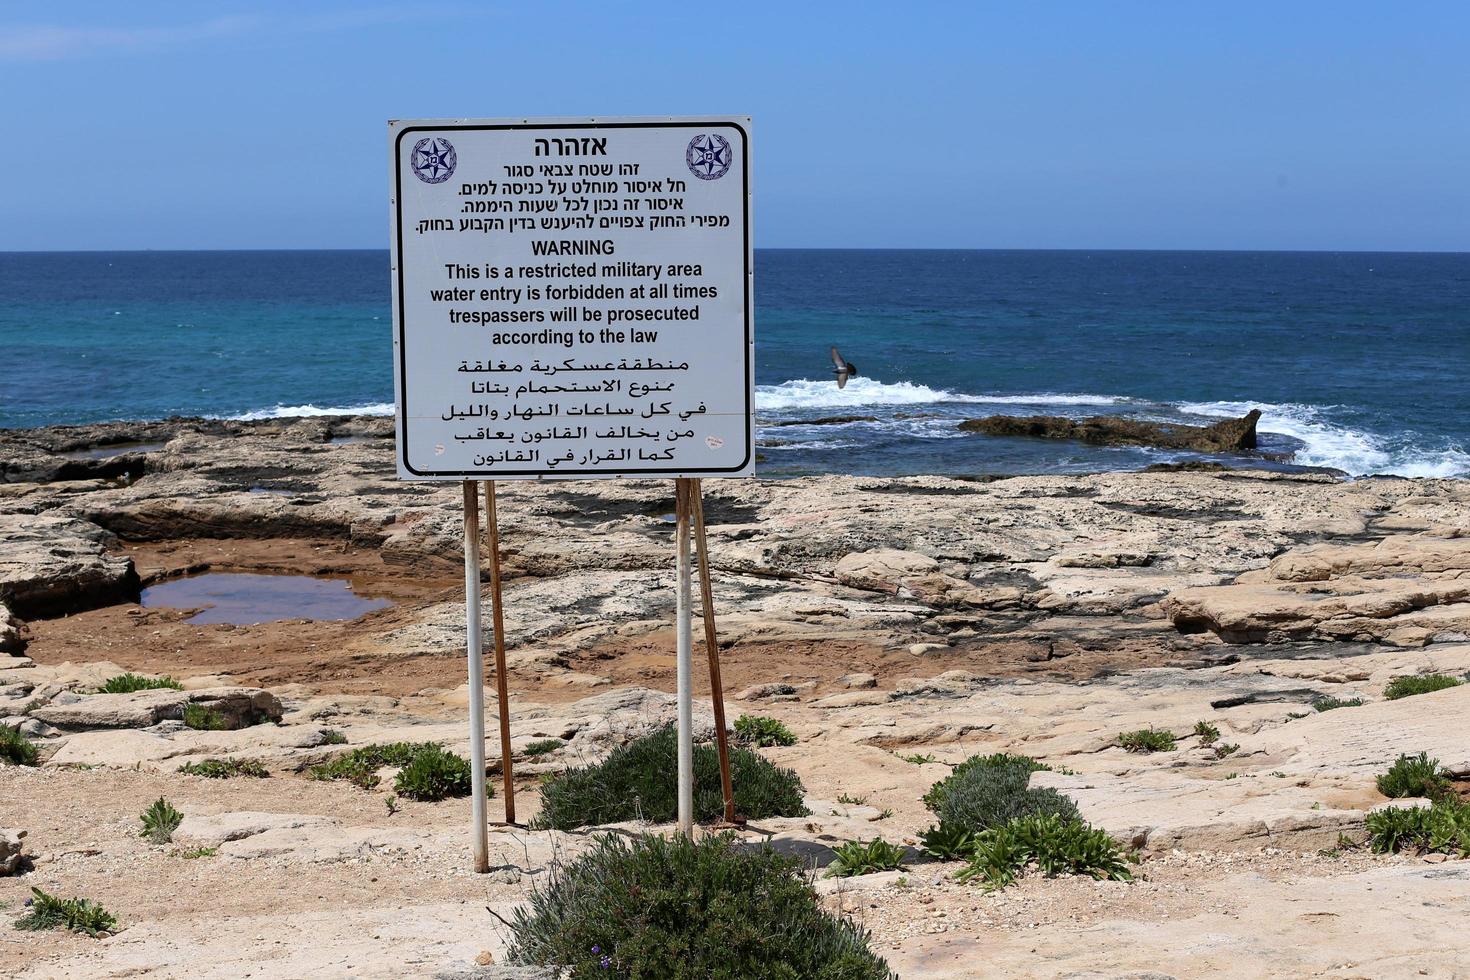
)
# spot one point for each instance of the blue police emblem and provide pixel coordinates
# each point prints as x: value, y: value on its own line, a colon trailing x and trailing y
x: 433, y: 160
x: 708, y: 156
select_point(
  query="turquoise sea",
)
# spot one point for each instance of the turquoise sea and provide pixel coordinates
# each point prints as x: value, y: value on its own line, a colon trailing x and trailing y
x: 1360, y: 361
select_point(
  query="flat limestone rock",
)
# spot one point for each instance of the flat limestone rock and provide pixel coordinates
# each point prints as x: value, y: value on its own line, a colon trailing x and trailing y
x: 238, y: 706
x: 51, y: 565
x: 216, y: 829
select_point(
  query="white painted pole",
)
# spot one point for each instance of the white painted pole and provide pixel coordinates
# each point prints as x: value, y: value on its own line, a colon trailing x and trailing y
x: 473, y: 641
x: 686, y: 663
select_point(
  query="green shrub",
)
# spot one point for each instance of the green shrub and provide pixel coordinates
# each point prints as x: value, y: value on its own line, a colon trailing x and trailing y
x: 434, y: 774
x: 1055, y: 844
x: 360, y: 766
x: 947, y: 843
x: 1000, y: 760
x: 203, y: 718
x: 128, y: 683
x: 638, y: 780
x: 15, y: 748
x: 858, y: 858
x: 688, y: 910
x: 225, y: 768
x: 330, y: 736
x: 544, y: 746
x: 761, y: 731
x: 1207, y: 733
x: 1443, y: 827
x: 1414, y: 775
x: 1328, y: 704
x: 988, y: 791
x: 1223, y: 750
x: 1403, y: 687
x: 1147, y: 740
x: 160, y: 821
x: 78, y: 914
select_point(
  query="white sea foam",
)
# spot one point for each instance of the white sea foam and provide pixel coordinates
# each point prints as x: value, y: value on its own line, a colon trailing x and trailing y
x: 304, y: 411
x: 808, y: 393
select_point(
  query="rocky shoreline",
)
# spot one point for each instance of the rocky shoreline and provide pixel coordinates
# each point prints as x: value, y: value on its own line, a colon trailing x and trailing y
x: 880, y: 618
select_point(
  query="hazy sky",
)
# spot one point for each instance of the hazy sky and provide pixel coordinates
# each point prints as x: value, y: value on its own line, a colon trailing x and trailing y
x: 1341, y: 125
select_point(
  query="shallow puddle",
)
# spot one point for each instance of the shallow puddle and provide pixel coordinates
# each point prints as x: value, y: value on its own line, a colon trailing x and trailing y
x: 244, y: 599
x: 116, y: 449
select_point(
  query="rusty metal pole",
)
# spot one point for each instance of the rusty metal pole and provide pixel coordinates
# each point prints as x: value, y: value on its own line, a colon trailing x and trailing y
x: 498, y: 624
x: 717, y: 690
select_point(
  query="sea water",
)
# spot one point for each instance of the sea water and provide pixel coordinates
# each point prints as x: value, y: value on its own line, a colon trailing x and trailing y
x: 1359, y: 361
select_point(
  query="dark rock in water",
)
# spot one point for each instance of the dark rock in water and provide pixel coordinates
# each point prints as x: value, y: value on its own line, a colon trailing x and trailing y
x: 1230, y: 435
x: 1190, y: 466
x: 826, y: 420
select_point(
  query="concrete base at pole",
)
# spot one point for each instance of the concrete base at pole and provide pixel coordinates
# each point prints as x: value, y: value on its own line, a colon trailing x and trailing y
x: 474, y: 648
x: 685, y: 661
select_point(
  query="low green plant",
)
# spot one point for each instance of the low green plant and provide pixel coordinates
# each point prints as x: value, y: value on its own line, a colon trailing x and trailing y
x: 884, y: 813
x: 77, y: 914
x: 999, y: 760
x: 687, y: 909
x: 543, y: 746
x: 988, y: 791
x: 15, y: 748
x: 1403, y: 687
x: 1329, y: 704
x: 360, y: 766
x: 391, y: 802
x: 1443, y: 827
x: 1146, y: 740
x: 225, y: 768
x: 435, y: 773
x: 1223, y: 750
x: 194, y: 853
x: 203, y: 718
x: 848, y: 800
x: 128, y: 683
x: 864, y: 858
x: 331, y: 736
x: 1414, y: 775
x: 947, y: 843
x: 1054, y: 844
x: 761, y: 731
x: 637, y: 781
x: 160, y: 821
x: 1207, y: 733
x: 919, y: 760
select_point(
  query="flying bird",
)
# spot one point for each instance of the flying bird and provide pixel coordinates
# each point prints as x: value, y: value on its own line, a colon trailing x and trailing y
x: 843, y: 368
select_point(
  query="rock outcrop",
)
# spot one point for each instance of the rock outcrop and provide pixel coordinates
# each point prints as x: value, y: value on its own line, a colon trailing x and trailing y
x: 1228, y: 436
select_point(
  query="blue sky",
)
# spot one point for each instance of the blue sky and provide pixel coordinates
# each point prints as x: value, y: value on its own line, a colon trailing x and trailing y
x: 988, y: 125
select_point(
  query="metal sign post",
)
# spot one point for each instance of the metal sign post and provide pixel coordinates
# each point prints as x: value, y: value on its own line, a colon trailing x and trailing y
x: 497, y: 623
x: 473, y: 638
x: 684, y: 653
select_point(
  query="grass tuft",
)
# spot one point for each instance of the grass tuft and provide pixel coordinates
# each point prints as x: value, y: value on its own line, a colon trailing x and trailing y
x: 1329, y: 704
x: 1146, y: 740
x: 1403, y: 687
x: 77, y: 914
x: 331, y: 736
x: 195, y: 853
x: 680, y: 908
x: 1414, y: 775
x: 160, y: 821
x: 1208, y: 734
x: 761, y: 731
x: 15, y: 748
x: 1053, y: 844
x: 225, y: 768
x: 637, y: 781
x: 859, y: 858
x: 203, y: 718
x: 544, y: 746
x: 128, y: 683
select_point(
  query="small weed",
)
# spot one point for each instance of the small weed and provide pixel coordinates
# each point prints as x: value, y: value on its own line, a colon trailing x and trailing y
x: 77, y: 914
x: 203, y: 718
x: 225, y: 768
x: 1233, y: 775
x: 128, y: 683
x: 1328, y: 704
x: 947, y: 843
x: 1146, y: 740
x: 330, y: 736
x: 160, y: 821
x: 884, y: 813
x: 1414, y: 775
x: 433, y: 774
x: 15, y: 748
x: 391, y: 802
x: 543, y: 746
x: 198, y: 852
x: 1052, y: 843
x: 1403, y: 687
x: 1223, y: 750
x: 1207, y: 733
x: 760, y: 731
x: 859, y: 858
x: 919, y: 760
x: 1279, y: 774
x: 1294, y: 715
x: 852, y: 800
